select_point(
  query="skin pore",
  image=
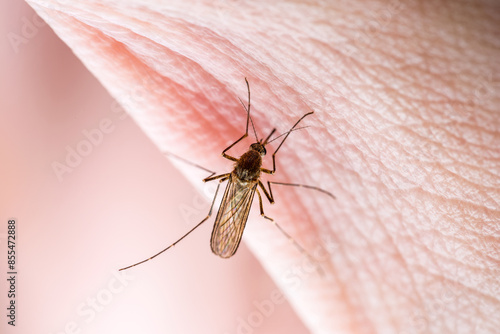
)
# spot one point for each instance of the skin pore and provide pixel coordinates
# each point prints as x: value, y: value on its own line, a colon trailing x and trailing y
x: 405, y: 134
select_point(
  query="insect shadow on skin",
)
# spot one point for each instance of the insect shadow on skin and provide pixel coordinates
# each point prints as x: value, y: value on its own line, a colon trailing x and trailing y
x: 243, y: 183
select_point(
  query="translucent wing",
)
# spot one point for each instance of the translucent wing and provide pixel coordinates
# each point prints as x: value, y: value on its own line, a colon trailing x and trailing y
x: 232, y: 217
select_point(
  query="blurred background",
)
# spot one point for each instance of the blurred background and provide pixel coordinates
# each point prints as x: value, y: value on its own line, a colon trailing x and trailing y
x: 75, y: 221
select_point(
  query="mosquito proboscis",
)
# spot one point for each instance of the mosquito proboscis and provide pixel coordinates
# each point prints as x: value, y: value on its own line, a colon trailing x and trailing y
x: 243, y: 182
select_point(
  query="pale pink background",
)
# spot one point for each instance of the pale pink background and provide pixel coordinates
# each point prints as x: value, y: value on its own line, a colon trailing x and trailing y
x: 118, y: 206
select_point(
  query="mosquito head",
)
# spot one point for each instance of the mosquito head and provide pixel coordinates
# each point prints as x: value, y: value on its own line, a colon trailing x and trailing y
x: 259, y: 147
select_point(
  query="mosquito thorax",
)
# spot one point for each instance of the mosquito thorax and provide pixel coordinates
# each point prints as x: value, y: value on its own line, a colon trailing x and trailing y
x: 248, y: 166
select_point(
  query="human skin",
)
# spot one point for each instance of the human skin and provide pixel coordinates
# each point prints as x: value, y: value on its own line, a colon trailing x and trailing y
x: 405, y: 134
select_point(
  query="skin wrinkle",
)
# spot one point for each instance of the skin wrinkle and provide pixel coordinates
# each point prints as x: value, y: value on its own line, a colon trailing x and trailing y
x: 405, y: 266
x: 364, y: 236
x: 399, y: 256
x: 342, y: 287
x: 345, y: 290
x: 358, y: 297
x: 456, y: 283
x: 431, y: 251
x: 403, y: 257
x: 396, y: 184
x: 465, y: 221
x: 471, y: 250
x: 435, y: 142
x: 437, y: 272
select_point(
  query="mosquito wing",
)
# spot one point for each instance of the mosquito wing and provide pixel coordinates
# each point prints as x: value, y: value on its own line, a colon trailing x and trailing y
x: 232, y: 217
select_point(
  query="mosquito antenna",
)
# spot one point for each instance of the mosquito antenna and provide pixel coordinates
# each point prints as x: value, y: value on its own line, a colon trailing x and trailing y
x: 284, y: 133
x: 188, y: 162
x: 254, y: 131
x: 249, y: 118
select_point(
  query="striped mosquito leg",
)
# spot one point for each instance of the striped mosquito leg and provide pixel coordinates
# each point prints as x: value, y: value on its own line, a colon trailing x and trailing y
x: 301, y: 186
x: 289, y: 237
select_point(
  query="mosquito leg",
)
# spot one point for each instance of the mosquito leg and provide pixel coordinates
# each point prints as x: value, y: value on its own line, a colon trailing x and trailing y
x: 223, y: 177
x: 269, y: 194
x: 288, y: 236
x: 261, y: 207
x: 188, y: 162
x: 301, y: 186
x: 185, y: 235
x: 227, y: 156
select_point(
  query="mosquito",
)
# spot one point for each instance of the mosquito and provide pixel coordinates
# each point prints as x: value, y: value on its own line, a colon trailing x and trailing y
x: 243, y: 182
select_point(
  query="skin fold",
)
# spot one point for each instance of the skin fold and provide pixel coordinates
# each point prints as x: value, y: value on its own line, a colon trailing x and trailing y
x: 405, y: 134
